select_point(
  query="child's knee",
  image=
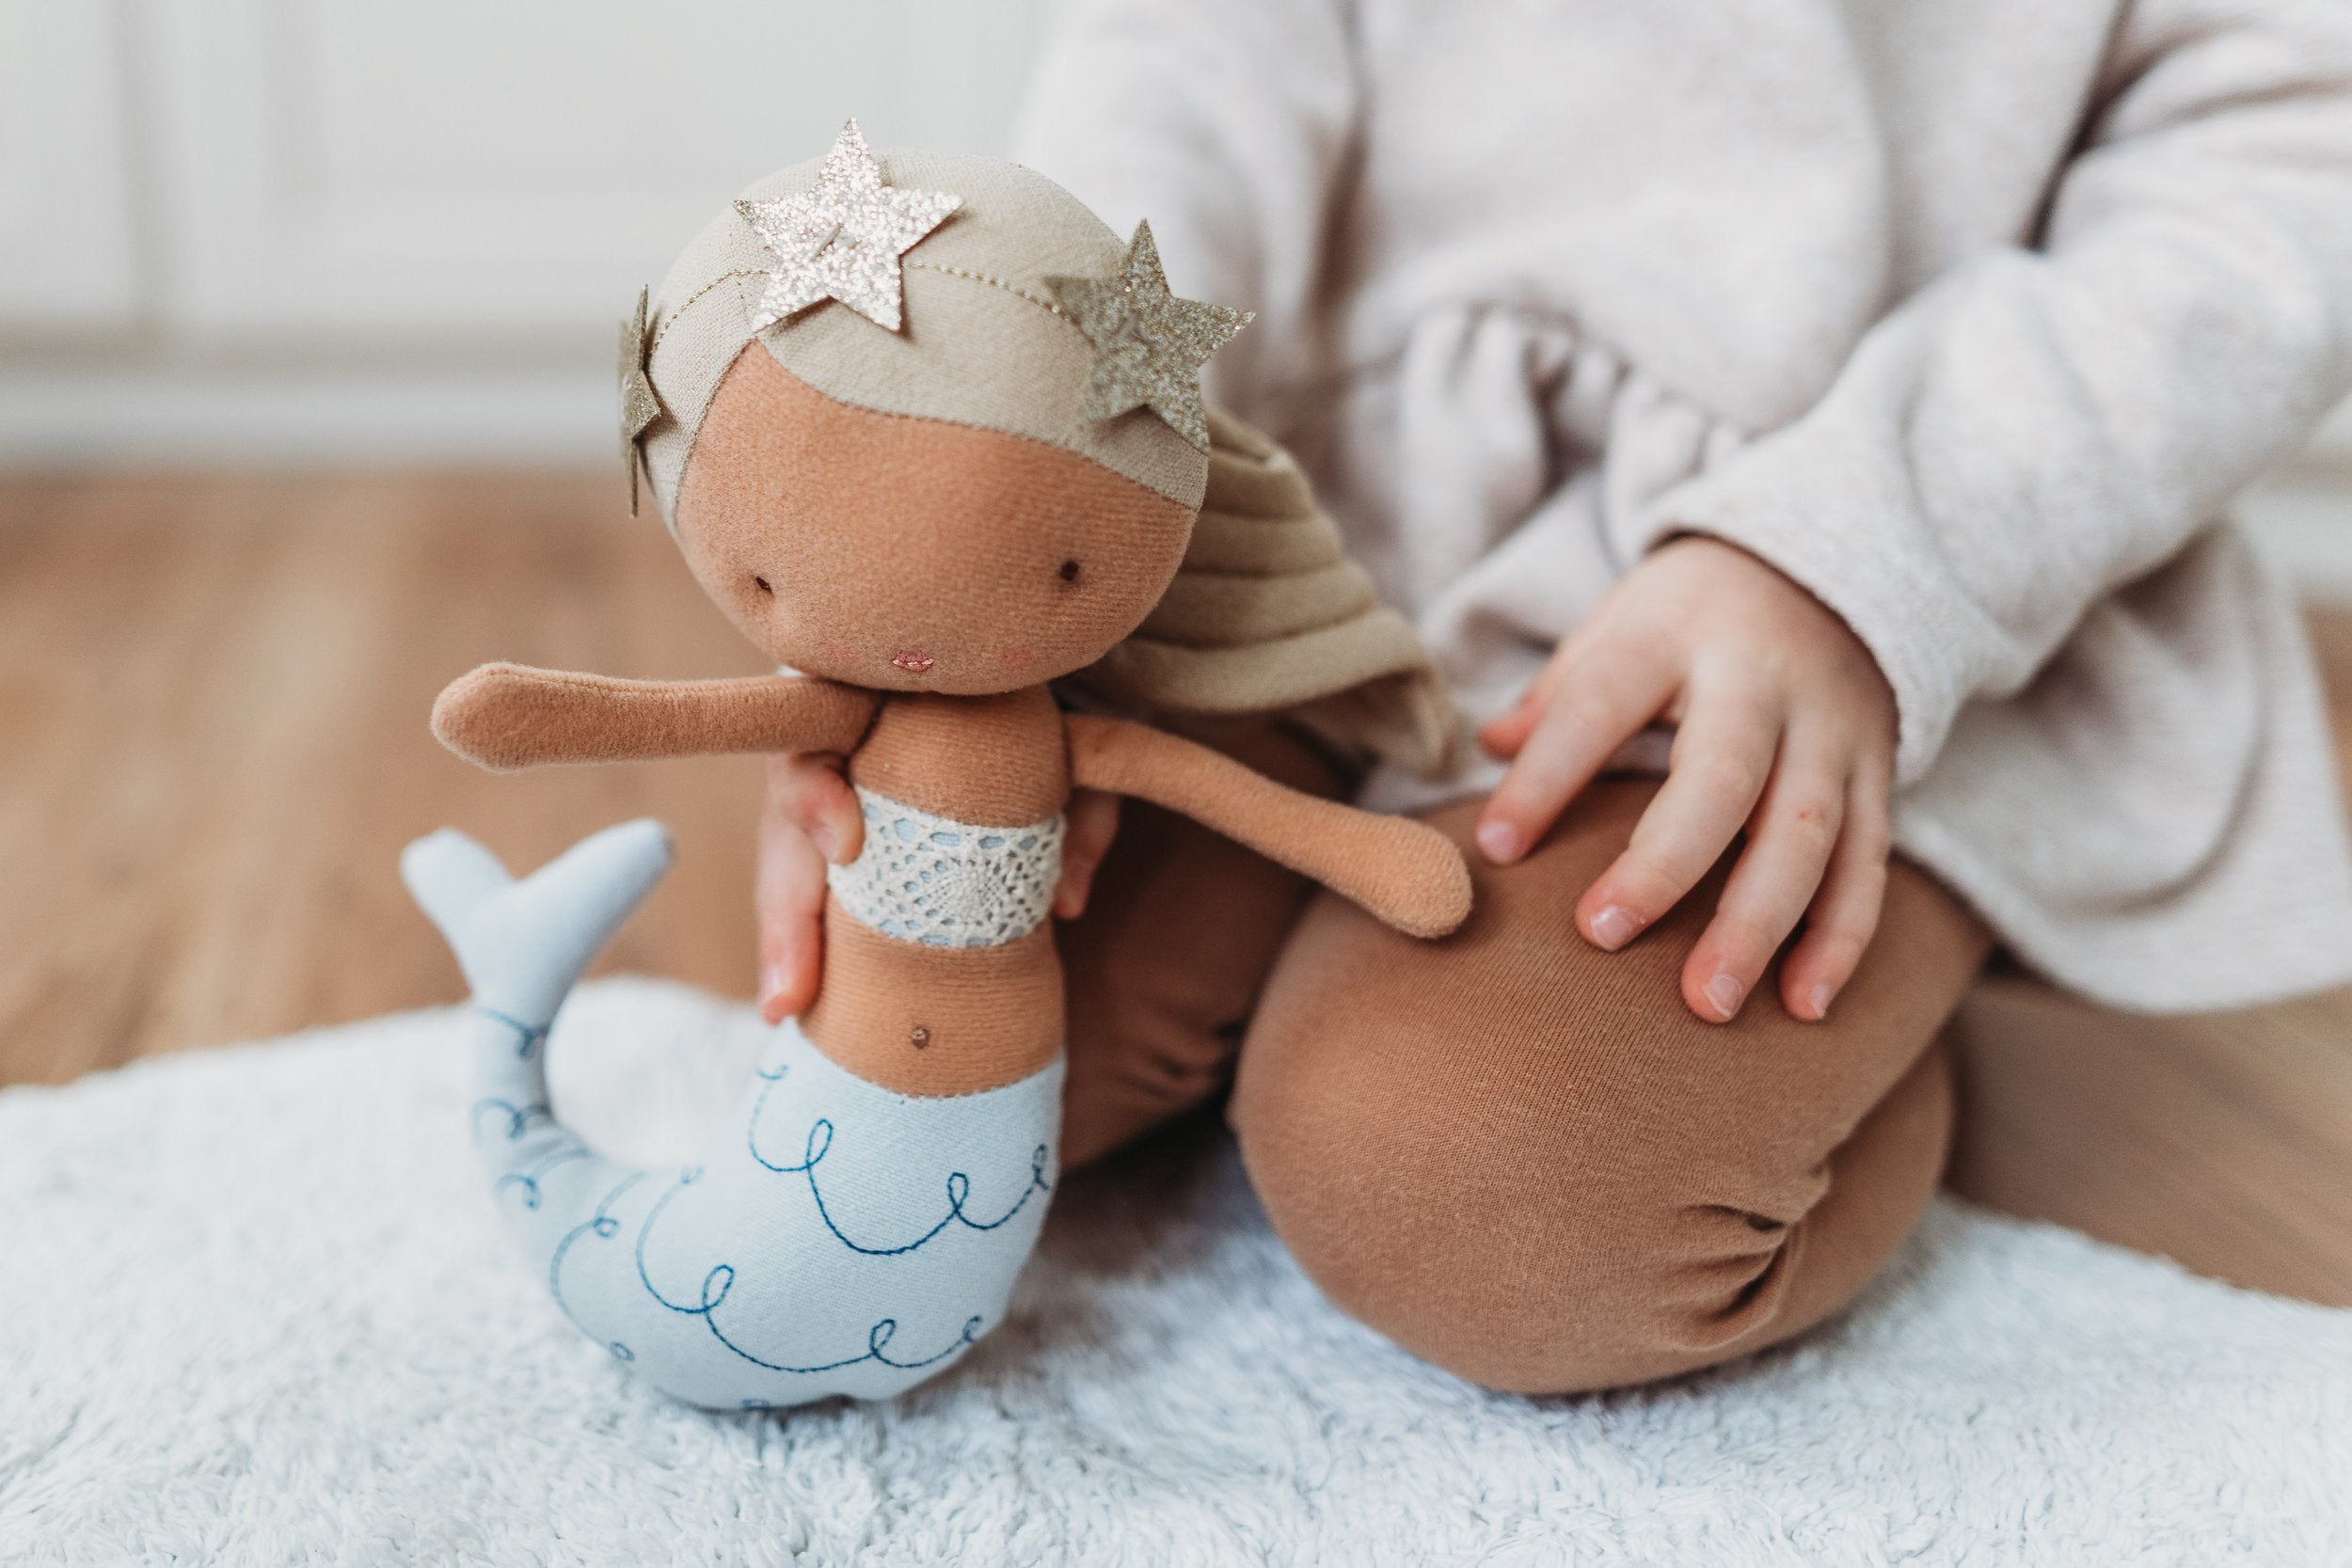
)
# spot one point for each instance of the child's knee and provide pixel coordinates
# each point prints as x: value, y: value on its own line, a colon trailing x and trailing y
x: 1555, y: 1258
x: 1524, y: 1264
x: 1525, y: 1161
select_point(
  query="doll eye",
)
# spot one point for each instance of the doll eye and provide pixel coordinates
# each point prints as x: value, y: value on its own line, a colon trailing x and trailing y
x: 1068, y: 571
x: 761, y: 583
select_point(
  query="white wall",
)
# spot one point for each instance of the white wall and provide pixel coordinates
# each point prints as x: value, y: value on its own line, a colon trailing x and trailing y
x: 401, y: 230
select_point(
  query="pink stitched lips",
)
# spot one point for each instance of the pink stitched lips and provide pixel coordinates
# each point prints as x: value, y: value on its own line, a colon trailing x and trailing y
x: 913, y: 660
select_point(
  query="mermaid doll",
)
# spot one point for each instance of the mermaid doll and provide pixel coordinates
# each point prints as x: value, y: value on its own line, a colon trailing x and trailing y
x: 932, y: 438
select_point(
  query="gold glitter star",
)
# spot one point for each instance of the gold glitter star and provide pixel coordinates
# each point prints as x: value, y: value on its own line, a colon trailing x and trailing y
x: 1149, y: 345
x: 842, y: 238
x: 640, y: 407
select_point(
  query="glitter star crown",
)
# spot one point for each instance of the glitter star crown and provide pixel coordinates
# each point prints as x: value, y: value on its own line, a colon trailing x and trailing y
x: 1149, y: 345
x: 842, y: 238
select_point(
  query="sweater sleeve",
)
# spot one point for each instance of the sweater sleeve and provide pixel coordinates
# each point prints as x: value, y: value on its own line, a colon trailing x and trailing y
x: 2042, y: 424
x: 1223, y: 122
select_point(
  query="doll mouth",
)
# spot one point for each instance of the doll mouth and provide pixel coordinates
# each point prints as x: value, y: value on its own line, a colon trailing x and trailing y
x: 913, y: 660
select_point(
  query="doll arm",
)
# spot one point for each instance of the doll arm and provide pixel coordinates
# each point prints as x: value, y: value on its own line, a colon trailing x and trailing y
x: 509, y: 716
x: 1404, y: 873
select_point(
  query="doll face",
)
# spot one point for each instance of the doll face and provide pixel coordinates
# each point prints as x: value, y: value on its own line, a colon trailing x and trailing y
x: 912, y: 554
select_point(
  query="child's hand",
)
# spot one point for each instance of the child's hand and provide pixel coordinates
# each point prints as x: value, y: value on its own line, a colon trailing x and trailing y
x: 1786, y: 729
x: 811, y: 818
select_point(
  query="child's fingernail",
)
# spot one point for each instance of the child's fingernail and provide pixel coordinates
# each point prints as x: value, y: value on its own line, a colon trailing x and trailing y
x: 770, y: 983
x: 1820, y: 1003
x: 1499, y: 840
x: 828, y: 842
x: 1725, y: 993
x: 1615, y: 927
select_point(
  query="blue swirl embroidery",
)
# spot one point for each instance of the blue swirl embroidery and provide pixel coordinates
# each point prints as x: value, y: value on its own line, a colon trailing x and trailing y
x: 528, y: 1180
x: 819, y: 1144
x: 718, y: 1283
x: 517, y: 1116
x: 605, y: 1226
x: 527, y: 1038
x: 720, y: 1280
x: 876, y: 1339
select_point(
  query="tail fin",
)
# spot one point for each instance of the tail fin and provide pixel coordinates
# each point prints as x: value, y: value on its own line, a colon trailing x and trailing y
x: 522, y: 944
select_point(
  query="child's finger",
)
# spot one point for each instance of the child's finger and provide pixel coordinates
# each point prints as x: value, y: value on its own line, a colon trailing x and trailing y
x: 1789, y: 842
x: 788, y: 895
x: 1723, y: 757
x: 1845, y: 912
x: 810, y: 792
x: 1595, y: 706
x: 1506, y: 732
x: 1089, y: 823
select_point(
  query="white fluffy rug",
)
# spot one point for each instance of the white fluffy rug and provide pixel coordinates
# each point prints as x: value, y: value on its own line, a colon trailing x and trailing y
x: 254, y: 1309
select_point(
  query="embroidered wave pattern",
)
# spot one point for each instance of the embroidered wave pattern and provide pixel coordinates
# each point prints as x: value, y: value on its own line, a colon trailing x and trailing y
x: 959, y: 1185
x: 749, y: 1279
x: 877, y: 1255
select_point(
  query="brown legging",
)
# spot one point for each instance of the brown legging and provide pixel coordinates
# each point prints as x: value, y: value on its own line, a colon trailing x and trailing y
x: 1520, y: 1158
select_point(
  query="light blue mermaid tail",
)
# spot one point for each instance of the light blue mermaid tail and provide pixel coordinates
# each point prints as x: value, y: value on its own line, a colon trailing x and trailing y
x: 838, y: 1238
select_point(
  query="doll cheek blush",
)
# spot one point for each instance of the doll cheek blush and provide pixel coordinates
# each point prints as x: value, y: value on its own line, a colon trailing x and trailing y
x: 1019, y: 656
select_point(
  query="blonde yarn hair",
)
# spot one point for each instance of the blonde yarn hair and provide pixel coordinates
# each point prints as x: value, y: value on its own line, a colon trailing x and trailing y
x: 1268, y: 615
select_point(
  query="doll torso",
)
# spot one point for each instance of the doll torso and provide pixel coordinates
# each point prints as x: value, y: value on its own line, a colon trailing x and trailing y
x: 940, y: 975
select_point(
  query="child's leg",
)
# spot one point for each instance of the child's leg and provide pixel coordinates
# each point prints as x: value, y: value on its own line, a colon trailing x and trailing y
x: 1166, y: 962
x: 1528, y: 1162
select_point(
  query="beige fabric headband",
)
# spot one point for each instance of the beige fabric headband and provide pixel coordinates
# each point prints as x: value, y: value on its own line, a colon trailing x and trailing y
x: 982, y: 343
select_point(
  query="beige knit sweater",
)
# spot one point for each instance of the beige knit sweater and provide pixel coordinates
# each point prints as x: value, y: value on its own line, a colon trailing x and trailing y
x: 1970, y: 315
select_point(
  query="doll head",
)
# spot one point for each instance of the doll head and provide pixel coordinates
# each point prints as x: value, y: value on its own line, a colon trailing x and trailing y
x: 923, y: 480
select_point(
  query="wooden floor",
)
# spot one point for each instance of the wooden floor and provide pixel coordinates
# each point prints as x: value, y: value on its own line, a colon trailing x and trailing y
x: 212, y: 744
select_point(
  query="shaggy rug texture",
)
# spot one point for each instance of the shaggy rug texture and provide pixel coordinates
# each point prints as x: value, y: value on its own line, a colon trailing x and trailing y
x: 255, y: 1309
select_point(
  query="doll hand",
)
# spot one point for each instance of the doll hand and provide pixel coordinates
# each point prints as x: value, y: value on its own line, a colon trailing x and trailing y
x: 1786, y: 731
x: 505, y: 716
x: 811, y: 819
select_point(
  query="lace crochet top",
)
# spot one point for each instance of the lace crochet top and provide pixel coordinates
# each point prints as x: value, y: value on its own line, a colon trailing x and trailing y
x: 944, y: 884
